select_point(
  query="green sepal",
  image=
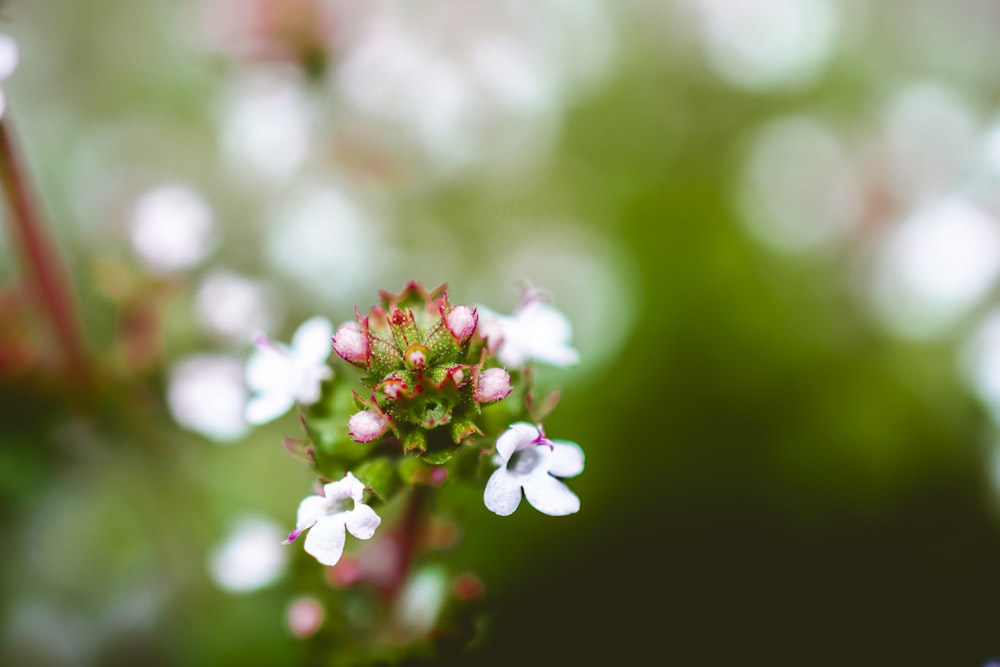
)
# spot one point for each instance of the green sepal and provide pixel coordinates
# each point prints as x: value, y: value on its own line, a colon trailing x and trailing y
x: 461, y: 428
x: 438, y: 458
x: 384, y: 358
x: 404, y: 330
x: 443, y: 345
x: 379, y: 476
x: 414, y: 441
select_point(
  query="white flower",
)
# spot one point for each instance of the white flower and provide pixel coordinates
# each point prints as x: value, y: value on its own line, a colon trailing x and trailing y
x: 206, y: 395
x: 330, y: 519
x: 530, y: 461
x: 536, y: 331
x: 8, y: 62
x: 280, y: 375
x: 250, y: 558
x: 172, y: 228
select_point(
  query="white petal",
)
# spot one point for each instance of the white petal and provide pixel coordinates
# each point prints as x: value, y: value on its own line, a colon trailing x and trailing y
x: 311, y: 510
x: 362, y: 521
x: 565, y: 459
x: 312, y: 341
x: 503, y: 493
x: 550, y: 496
x: 348, y: 486
x: 269, y: 369
x: 267, y: 407
x: 325, y: 541
x: 557, y: 355
x: 518, y: 435
x: 543, y: 321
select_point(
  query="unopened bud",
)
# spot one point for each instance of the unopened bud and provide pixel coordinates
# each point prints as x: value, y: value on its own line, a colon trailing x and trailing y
x: 352, y: 345
x: 367, y: 425
x: 493, y: 385
x: 461, y: 322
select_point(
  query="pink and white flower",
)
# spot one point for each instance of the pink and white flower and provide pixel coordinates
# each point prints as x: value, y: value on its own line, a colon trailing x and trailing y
x: 281, y: 375
x: 531, y: 463
x: 535, y: 332
x: 330, y: 516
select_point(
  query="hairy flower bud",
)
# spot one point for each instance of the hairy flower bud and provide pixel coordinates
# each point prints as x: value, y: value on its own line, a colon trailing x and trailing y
x: 367, y: 425
x: 493, y: 384
x: 352, y: 345
x: 461, y: 322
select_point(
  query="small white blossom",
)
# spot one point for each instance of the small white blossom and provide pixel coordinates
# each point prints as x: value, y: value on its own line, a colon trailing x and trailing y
x: 330, y: 519
x: 531, y: 462
x: 535, y: 332
x: 281, y: 375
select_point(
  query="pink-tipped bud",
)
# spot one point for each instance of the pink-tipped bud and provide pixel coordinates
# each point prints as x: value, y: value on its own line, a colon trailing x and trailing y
x: 461, y: 322
x: 367, y: 425
x: 493, y: 385
x: 352, y: 345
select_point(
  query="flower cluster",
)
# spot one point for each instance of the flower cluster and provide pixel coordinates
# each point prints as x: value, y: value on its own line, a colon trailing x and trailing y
x: 424, y: 413
x: 427, y: 373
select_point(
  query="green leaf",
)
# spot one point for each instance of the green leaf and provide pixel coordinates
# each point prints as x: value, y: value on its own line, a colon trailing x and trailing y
x: 380, y: 476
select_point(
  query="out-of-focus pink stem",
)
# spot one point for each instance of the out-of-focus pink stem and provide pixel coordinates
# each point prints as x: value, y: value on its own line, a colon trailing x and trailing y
x: 43, y: 268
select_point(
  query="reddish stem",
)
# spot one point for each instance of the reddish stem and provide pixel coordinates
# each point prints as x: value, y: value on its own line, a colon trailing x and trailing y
x: 45, y: 272
x: 411, y: 529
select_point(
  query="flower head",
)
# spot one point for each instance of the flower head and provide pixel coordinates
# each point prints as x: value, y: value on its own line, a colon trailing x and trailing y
x: 536, y: 331
x: 331, y: 516
x: 531, y: 462
x: 281, y: 375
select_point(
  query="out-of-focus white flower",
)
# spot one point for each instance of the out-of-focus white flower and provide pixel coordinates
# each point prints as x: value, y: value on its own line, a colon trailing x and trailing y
x: 935, y: 266
x: 980, y: 363
x: 799, y: 191
x: 535, y: 332
x: 326, y: 242
x: 528, y: 460
x: 171, y: 228
x: 281, y: 375
x: 250, y: 557
x: 233, y: 307
x: 421, y: 601
x: 9, y: 56
x: 206, y: 395
x: 768, y: 44
x: 266, y: 127
x: 331, y: 516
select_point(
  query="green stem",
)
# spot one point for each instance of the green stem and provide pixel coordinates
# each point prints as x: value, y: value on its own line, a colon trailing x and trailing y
x: 44, y: 270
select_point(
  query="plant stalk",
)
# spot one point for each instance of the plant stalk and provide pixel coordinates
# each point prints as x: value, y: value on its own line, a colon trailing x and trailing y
x: 44, y: 270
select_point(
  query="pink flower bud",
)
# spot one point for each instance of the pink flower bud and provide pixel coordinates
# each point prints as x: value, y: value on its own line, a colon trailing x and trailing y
x: 461, y: 322
x: 352, y: 345
x: 493, y: 385
x: 367, y: 425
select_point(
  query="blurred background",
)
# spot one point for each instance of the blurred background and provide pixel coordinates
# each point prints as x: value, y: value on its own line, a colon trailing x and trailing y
x: 774, y: 224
